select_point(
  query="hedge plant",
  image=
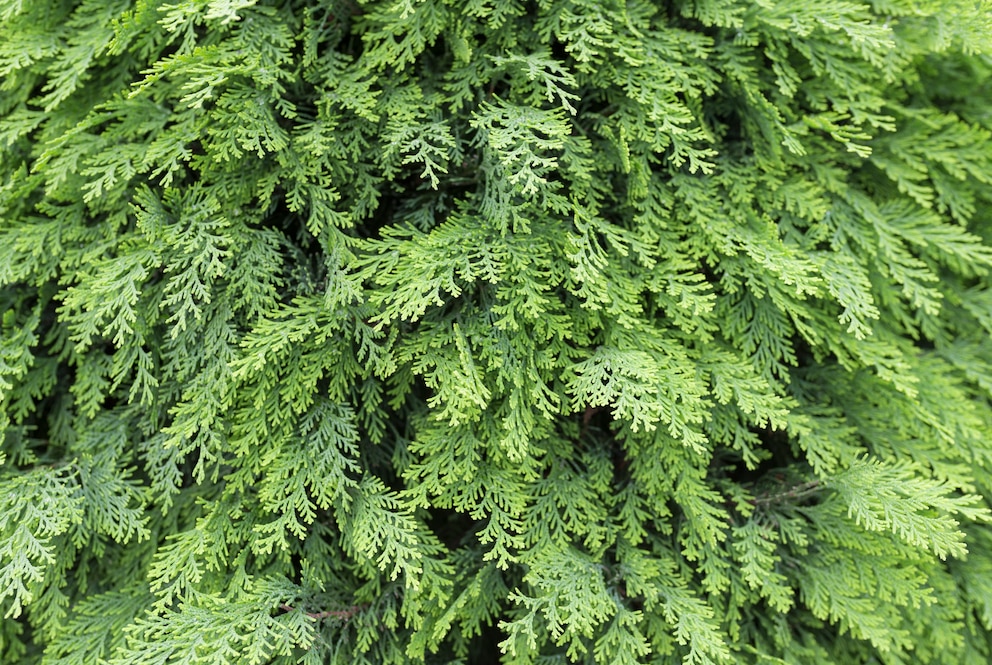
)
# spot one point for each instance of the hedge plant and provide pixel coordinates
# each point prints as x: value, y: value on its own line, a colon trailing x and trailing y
x: 477, y: 331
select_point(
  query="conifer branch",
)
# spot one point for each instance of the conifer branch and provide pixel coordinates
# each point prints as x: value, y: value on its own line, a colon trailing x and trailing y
x: 500, y: 307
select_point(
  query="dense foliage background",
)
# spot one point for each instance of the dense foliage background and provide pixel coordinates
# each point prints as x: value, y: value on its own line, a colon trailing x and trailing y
x: 456, y: 331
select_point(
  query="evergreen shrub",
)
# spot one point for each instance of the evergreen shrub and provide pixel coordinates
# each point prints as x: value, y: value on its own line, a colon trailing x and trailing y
x: 476, y: 331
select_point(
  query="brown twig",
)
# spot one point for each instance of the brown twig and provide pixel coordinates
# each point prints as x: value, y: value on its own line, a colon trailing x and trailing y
x: 587, y: 416
x: 344, y: 614
x: 793, y: 493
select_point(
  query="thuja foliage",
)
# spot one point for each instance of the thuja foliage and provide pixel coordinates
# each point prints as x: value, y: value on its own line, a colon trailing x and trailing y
x: 465, y: 331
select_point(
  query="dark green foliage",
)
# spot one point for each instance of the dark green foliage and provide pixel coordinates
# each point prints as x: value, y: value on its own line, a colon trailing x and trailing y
x: 465, y: 331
